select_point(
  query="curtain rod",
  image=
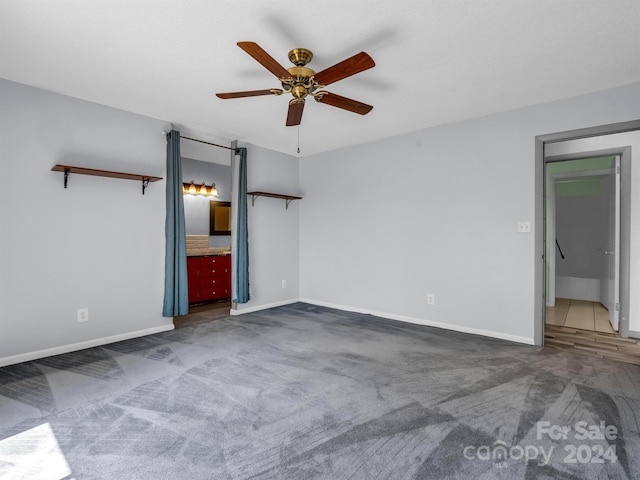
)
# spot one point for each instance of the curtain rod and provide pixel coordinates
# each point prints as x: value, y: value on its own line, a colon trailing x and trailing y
x: 208, y: 143
x: 202, y: 141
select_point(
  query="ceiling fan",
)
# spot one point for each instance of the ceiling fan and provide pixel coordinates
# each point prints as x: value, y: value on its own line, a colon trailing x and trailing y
x: 301, y: 82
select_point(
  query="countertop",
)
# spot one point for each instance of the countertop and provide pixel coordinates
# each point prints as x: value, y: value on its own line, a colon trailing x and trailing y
x: 201, y: 252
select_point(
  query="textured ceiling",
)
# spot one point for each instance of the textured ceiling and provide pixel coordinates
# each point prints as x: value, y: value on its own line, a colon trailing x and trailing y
x: 437, y: 61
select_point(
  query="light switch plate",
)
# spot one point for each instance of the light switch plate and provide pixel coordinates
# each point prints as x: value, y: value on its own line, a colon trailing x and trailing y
x: 83, y: 315
x: 524, y: 227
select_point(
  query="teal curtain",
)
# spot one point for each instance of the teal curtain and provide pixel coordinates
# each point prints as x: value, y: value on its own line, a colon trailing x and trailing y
x: 241, y: 260
x: 176, y: 299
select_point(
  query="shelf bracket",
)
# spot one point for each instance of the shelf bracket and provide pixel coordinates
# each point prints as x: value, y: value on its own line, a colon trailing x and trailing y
x: 253, y: 200
x: 67, y: 171
x: 145, y: 183
x: 288, y: 200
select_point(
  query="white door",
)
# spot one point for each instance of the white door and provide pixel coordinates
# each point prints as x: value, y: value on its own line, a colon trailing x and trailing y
x: 612, y: 249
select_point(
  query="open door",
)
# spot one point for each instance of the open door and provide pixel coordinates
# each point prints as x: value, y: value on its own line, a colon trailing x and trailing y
x: 610, y: 282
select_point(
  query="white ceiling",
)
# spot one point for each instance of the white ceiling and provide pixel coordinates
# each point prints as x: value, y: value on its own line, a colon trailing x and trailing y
x: 437, y: 61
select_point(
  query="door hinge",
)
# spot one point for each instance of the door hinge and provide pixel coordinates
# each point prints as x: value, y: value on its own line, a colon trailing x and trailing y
x: 618, y: 169
x: 617, y: 307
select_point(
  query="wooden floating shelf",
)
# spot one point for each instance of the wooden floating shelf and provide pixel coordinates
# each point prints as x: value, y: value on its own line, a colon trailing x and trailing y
x: 287, y: 198
x: 68, y: 169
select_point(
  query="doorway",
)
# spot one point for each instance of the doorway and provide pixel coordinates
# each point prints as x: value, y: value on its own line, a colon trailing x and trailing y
x: 615, y: 139
x: 582, y: 238
x: 208, y: 248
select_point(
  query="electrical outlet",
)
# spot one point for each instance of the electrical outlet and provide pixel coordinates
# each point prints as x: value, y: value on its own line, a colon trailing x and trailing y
x: 83, y: 315
x: 431, y: 299
x: 284, y: 284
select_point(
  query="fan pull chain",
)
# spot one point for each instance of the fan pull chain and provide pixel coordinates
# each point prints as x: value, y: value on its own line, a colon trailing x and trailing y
x: 298, y: 138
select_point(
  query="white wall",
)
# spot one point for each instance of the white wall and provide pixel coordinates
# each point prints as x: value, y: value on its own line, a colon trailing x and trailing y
x: 582, y: 227
x: 582, y: 230
x: 273, y: 230
x: 97, y: 244
x: 385, y: 223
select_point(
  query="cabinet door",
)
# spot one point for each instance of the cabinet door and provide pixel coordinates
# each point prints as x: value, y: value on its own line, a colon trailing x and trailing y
x: 193, y: 279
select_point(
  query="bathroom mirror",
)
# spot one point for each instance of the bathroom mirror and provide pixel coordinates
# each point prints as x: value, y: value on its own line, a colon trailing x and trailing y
x: 219, y: 218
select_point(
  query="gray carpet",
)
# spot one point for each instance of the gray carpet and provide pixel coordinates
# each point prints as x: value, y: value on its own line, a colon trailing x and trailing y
x: 305, y: 392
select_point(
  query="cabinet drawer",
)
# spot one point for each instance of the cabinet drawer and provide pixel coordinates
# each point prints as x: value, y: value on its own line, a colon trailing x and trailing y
x: 210, y: 293
x: 218, y: 261
x: 213, y: 271
x: 215, y: 282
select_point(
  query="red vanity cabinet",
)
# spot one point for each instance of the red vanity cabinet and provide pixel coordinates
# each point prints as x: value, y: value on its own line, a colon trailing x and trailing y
x: 209, y: 278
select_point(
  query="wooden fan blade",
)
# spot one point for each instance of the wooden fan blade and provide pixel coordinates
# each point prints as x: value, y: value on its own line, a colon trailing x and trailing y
x: 294, y: 117
x: 266, y: 60
x: 343, y: 102
x: 249, y: 93
x: 356, y: 64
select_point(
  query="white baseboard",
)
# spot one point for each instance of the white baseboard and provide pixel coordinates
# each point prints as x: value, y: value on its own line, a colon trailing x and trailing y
x: 48, y: 352
x: 257, y: 308
x: 428, y: 323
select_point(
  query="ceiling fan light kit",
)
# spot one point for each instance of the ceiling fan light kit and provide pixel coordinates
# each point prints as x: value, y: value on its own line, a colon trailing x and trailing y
x: 301, y: 81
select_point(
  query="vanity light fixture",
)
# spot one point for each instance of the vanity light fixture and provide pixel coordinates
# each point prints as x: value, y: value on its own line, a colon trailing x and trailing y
x: 190, y: 188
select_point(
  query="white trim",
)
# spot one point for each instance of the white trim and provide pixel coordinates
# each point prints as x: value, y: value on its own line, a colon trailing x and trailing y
x: 48, y: 352
x: 257, y: 308
x: 428, y: 323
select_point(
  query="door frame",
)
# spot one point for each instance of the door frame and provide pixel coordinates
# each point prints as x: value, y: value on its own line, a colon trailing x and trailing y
x: 540, y: 217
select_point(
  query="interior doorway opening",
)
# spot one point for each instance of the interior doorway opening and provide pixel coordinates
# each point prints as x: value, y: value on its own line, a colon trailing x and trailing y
x: 614, y: 139
x: 582, y: 205
x: 208, y: 247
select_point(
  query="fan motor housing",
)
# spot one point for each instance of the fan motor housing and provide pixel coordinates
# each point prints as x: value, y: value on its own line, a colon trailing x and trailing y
x: 301, y: 73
